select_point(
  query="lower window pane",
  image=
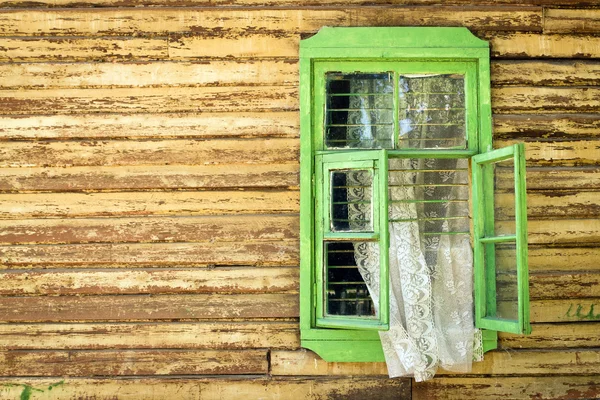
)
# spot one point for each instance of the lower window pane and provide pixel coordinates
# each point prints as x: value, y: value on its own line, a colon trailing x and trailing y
x: 503, y: 257
x: 346, y: 269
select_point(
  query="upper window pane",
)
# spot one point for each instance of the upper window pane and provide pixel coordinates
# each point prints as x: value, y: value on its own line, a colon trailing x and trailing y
x: 432, y: 111
x: 359, y: 111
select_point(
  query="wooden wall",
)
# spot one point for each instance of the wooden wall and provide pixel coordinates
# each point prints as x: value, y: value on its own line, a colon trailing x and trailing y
x: 149, y: 198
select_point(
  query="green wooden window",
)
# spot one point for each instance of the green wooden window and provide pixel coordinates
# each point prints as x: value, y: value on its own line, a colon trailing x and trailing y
x: 363, y: 116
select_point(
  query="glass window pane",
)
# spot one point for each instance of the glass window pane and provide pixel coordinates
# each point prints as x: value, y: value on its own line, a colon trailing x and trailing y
x: 359, y: 110
x: 346, y: 291
x: 504, y: 197
x: 351, y: 201
x: 432, y: 111
x: 501, y: 270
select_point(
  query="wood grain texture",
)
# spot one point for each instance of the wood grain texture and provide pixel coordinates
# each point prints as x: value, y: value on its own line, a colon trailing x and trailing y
x: 209, y: 388
x: 545, y: 72
x: 571, y: 21
x: 180, y: 228
x: 155, y: 335
x: 549, y: 336
x: 148, y: 308
x: 148, y: 100
x: 564, y: 285
x: 54, y: 49
x: 517, y: 388
x: 150, y: 177
x: 249, y: 252
x: 144, y: 74
x: 149, y: 152
x: 567, y: 258
x: 534, y: 45
x: 567, y: 362
x: 546, y: 126
x: 132, y: 203
x: 165, y: 281
x: 545, y: 99
x: 216, y: 22
x: 132, y: 362
x: 151, y: 126
x: 558, y: 153
x: 565, y: 310
x: 551, y: 204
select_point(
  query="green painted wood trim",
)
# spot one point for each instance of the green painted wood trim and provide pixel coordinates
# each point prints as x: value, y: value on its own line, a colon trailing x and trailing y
x: 346, y: 351
x: 490, y: 340
x: 521, y: 234
x: 393, y: 37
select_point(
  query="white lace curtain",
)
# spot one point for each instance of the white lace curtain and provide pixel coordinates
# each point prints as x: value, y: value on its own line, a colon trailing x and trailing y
x: 431, y: 274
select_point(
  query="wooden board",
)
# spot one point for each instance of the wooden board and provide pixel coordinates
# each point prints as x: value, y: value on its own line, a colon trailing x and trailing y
x: 545, y: 72
x: 215, y: 22
x: 548, y: 336
x: 517, y: 388
x: 567, y: 362
x: 571, y: 21
x: 546, y: 126
x: 545, y: 99
x: 565, y: 310
x: 236, y: 228
x: 249, y: 252
x: 209, y: 388
x: 132, y: 362
x: 155, y: 335
x: 533, y: 45
x: 153, y: 177
x: 155, y: 126
x: 165, y: 281
x: 148, y: 308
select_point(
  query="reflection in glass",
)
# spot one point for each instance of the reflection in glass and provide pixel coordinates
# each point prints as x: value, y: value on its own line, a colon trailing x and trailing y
x: 351, y: 200
x: 504, y: 197
x: 359, y: 110
x: 503, y: 255
x: 432, y: 111
x: 346, y: 291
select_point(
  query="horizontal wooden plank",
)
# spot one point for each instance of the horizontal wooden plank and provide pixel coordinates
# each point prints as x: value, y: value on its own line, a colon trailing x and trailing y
x: 564, y: 178
x: 565, y: 310
x: 149, y: 152
x: 132, y: 362
x: 551, y: 205
x: 571, y: 21
x: 81, y: 49
x: 545, y: 73
x: 236, y: 228
x: 546, y: 126
x: 149, y: 177
x: 548, y: 336
x: 156, y: 335
x: 525, y: 99
x: 164, y: 281
x: 543, y: 258
x: 215, y: 21
x: 575, y: 231
x: 143, y: 307
x: 533, y: 45
x: 568, y: 362
x: 148, y: 100
x: 144, y: 74
x: 155, y: 126
x: 558, y: 153
x: 209, y: 388
x: 516, y: 388
x: 277, y: 253
x: 564, y: 285
x: 149, y: 203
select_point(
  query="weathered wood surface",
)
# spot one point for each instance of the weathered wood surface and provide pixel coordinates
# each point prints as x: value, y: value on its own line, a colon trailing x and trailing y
x: 266, y: 388
x: 144, y: 307
x: 545, y: 72
x: 156, y: 335
x: 534, y: 45
x: 516, y: 388
x: 214, y: 22
x: 170, y: 281
x: 526, y: 362
x: 250, y: 252
x: 149, y: 152
x: 151, y: 126
x: 565, y: 310
x: 154, y: 177
x: 148, y: 100
x: 546, y: 126
x: 571, y: 21
x: 82, y: 49
x: 236, y: 228
x: 545, y: 99
x: 548, y: 336
x: 132, y: 362
x: 551, y: 204
x: 546, y: 258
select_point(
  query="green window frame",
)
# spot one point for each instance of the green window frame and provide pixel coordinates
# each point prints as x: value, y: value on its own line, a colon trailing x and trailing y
x: 412, y: 50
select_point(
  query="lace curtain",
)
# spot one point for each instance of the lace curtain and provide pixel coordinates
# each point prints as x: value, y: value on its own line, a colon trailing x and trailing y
x: 431, y: 261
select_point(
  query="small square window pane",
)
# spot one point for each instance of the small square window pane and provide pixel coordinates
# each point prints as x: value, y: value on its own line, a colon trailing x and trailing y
x: 346, y: 291
x: 432, y: 111
x: 351, y: 201
x: 359, y: 111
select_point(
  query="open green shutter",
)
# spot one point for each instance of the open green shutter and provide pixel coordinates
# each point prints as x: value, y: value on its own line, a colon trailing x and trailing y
x: 351, y: 209
x: 500, y: 240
